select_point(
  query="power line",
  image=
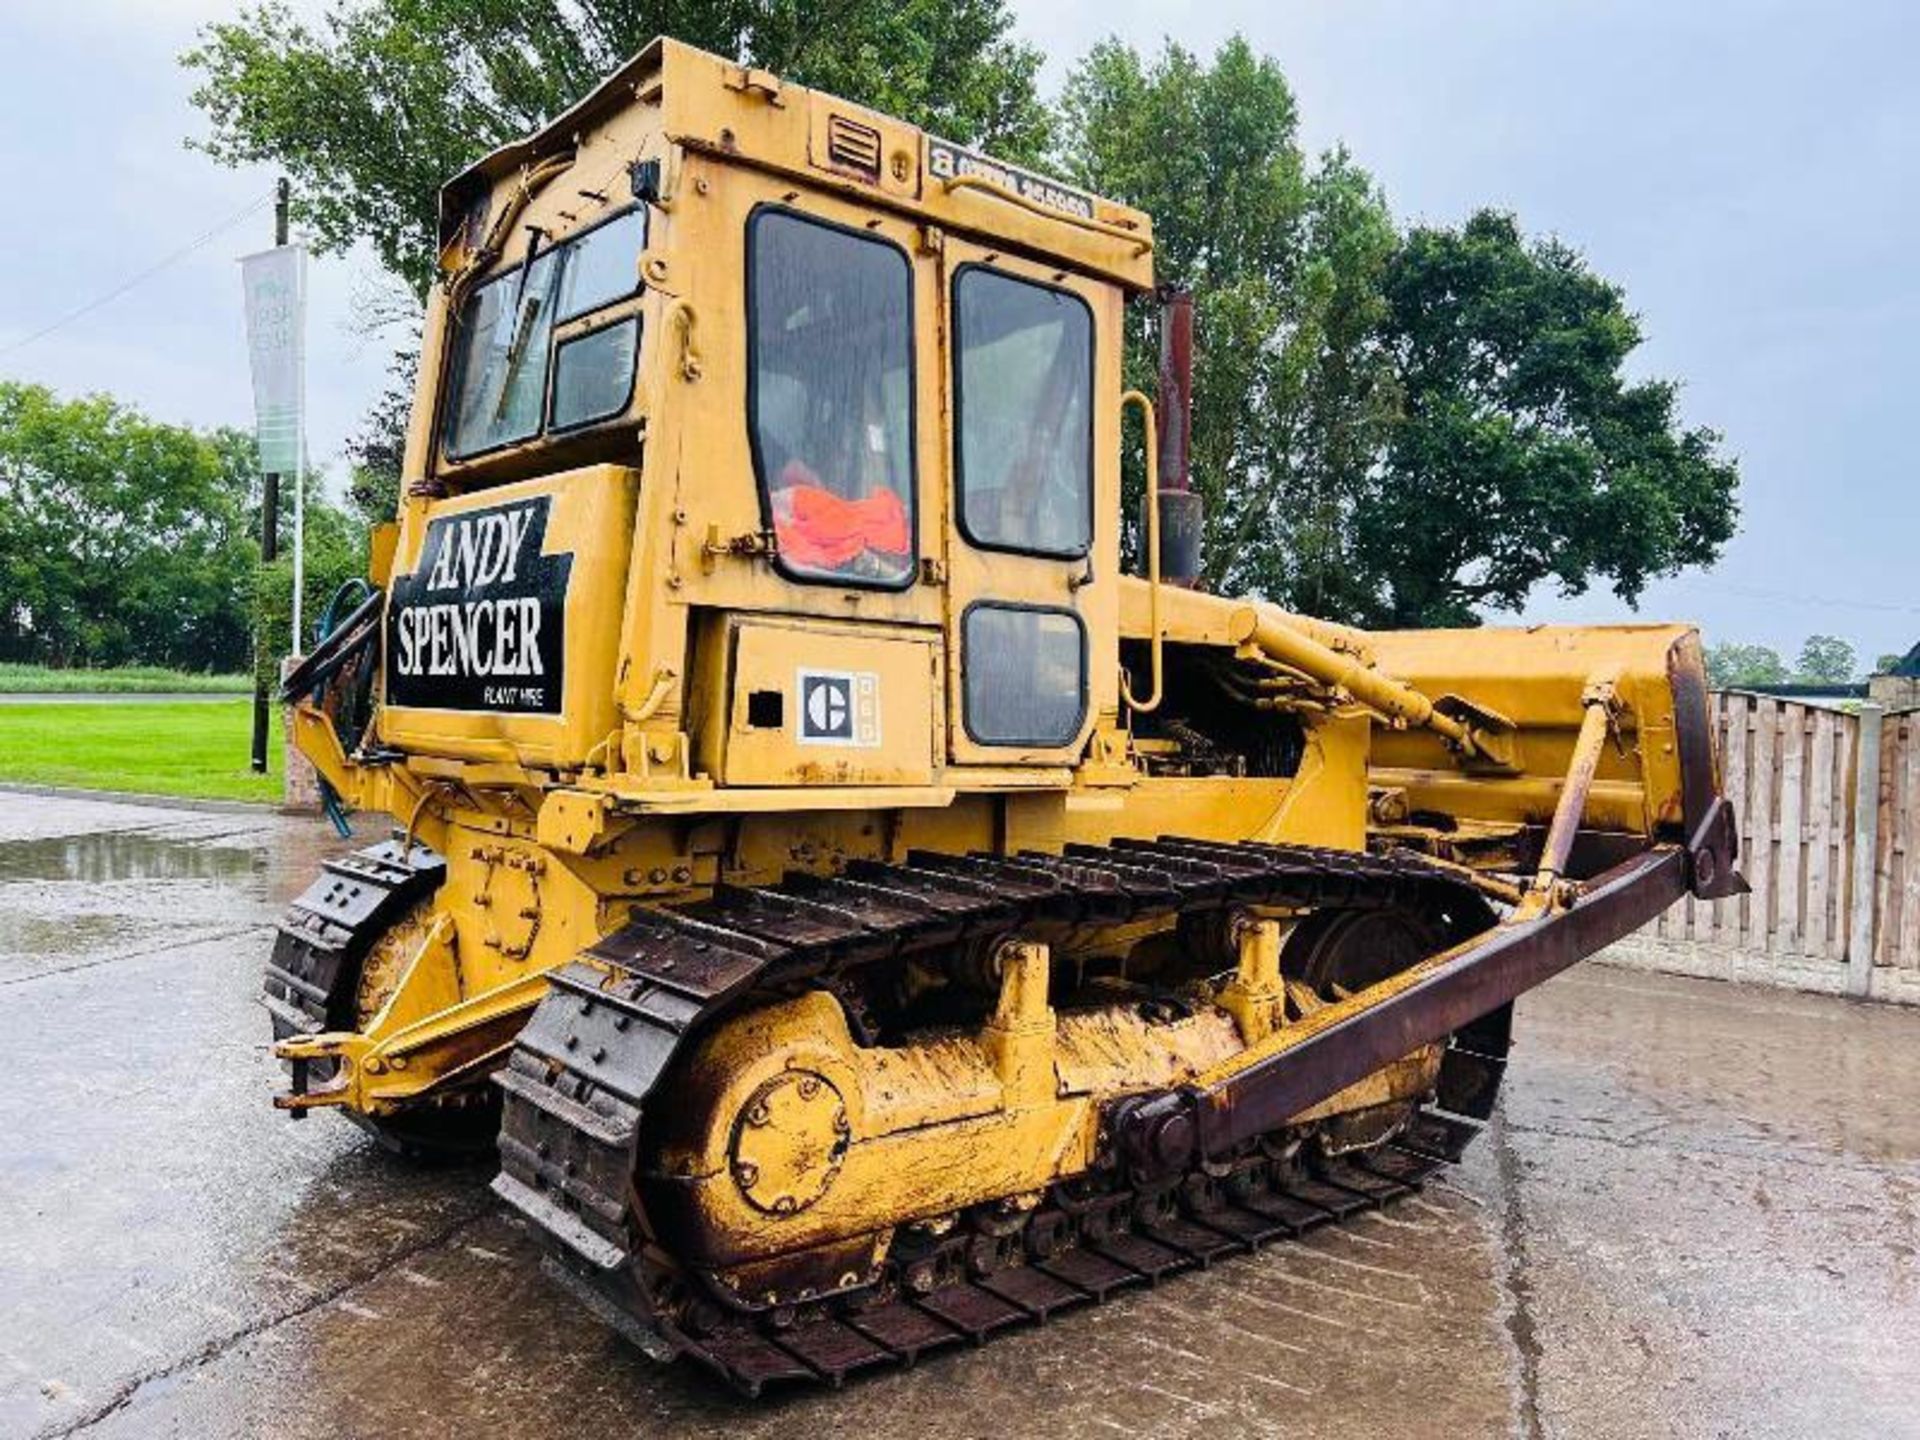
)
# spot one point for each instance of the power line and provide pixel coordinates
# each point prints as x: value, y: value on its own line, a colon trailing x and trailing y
x: 1757, y: 592
x: 146, y: 274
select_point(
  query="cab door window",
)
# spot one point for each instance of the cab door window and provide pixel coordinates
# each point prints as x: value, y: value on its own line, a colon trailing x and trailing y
x: 830, y: 399
x: 1024, y: 385
x: 1025, y: 674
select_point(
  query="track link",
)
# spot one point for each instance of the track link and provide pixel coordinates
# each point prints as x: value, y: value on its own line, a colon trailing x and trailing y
x: 577, y: 1085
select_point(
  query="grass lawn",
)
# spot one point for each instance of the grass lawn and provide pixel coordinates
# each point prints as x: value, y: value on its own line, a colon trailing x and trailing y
x: 128, y: 680
x: 197, y: 748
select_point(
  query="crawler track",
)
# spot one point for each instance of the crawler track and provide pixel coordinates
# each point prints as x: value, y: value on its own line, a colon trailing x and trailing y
x: 313, y: 978
x: 577, y: 1085
x: 328, y: 929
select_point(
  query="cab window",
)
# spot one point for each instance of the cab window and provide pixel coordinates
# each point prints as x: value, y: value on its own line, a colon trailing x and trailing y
x: 504, y: 347
x: 1025, y: 674
x: 830, y: 360
x: 1024, y: 384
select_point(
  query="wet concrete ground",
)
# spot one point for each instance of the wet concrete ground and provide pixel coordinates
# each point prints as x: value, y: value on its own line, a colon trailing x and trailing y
x: 1696, y: 1217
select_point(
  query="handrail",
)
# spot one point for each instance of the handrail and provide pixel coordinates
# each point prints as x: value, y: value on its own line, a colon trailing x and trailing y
x: 1142, y: 707
x: 532, y: 178
x: 1141, y: 243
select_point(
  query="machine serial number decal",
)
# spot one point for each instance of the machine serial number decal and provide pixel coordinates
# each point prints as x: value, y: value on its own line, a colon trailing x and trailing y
x: 480, y: 624
x: 946, y: 161
x: 839, y: 707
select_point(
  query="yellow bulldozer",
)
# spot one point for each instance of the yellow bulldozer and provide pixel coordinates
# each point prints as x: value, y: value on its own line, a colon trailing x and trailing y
x: 863, y: 910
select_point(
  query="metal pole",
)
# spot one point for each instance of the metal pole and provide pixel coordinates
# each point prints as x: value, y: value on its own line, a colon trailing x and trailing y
x: 1866, y: 845
x: 269, y: 535
x: 300, y: 467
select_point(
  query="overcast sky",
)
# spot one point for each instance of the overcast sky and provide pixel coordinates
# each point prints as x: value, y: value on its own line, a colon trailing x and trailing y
x: 1746, y: 170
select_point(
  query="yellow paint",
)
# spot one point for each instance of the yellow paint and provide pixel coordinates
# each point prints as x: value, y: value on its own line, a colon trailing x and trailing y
x: 890, y: 674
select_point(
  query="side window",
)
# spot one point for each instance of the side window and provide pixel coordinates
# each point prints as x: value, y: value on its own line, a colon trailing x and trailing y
x: 500, y: 380
x: 1024, y: 357
x: 1025, y: 673
x: 603, y: 264
x: 593, y: 374
x: 503, y: 343
x: 830, y: 398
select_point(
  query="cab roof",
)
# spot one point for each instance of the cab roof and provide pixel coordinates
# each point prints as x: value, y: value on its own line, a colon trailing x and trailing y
x: 750, y: 117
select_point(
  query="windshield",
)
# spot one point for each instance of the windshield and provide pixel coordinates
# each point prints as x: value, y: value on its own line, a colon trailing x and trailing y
x: 503, y: 342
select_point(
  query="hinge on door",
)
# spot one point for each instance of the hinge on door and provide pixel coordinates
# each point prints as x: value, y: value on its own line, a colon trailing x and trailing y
x: 932, y: 240
x: 932, y: 571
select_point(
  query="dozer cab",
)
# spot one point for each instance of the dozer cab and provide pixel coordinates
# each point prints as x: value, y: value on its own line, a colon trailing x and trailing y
x: 863, y: 913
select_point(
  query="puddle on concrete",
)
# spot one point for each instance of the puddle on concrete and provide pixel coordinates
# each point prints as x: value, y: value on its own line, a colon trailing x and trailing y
x: 130, y: 855
x: 72, y: 899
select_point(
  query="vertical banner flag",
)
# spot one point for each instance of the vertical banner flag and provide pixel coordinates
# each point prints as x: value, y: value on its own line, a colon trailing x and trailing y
x: 276, y: 288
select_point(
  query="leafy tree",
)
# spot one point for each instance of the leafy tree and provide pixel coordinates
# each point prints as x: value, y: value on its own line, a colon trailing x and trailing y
x: 1522, y: 454
x: 373, y: 106
x: 122, y: 540
x: 1824, y: 660
x: 1292, y: 390
x: 1396, y: 429
x: 1887, y: 664
x: 375, y: 451
x: 1732, y: 666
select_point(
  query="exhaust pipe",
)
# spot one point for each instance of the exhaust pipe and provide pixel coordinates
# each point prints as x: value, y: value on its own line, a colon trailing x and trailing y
x: 1181, y: 517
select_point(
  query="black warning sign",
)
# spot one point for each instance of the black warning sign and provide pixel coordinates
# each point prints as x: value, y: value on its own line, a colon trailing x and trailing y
x: 481, y: 622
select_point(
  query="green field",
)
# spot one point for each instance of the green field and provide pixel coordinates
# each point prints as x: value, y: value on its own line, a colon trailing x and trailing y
x: 195, y: 748
x: 127, y: 680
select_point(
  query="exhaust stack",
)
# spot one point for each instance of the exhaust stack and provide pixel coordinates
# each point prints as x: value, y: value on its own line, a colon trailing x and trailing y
x: 1181, y: 513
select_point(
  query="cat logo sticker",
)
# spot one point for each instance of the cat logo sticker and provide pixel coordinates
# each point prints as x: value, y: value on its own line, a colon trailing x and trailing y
x: 839, y: 707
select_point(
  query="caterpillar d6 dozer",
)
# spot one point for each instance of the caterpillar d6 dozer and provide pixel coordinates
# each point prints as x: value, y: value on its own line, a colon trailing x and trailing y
x: 863, y: 914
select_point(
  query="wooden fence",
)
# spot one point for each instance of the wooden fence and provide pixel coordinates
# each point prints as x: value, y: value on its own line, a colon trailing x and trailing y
x: 1835, y: 870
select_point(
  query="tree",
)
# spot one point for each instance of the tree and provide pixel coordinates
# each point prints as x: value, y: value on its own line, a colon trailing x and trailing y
x: 1292, y: 391
x: 375, y: 451
x: 1824, y: 660
x: 122, y: 540
x: 1394, y: 429
x: 1522, y: 455
x: 372, y: 107
x: 1732, y: 666
x: 1887, y: 664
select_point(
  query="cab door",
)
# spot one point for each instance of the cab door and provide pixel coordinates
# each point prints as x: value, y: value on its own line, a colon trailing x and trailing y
x: 1032, y: 543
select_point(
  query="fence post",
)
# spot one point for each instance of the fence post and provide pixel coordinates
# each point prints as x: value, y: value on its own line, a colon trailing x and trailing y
x: 1866, y: 840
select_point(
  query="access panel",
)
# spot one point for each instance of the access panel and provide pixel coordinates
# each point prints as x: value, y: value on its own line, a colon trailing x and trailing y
x: 821, y: 702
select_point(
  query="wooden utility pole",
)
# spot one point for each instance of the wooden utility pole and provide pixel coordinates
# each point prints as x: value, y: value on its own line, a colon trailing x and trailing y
x: 269, y: 536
